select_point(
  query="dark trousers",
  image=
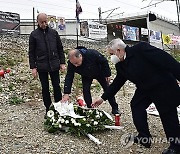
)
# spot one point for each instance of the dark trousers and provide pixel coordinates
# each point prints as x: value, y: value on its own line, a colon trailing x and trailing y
x: 86, y: 82
x: 43, y: 76
x: 169, y: 117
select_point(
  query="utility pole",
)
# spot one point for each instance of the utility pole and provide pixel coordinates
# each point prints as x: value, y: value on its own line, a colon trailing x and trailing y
x: 100, y: 17
x: 33, y: 18
x: 178, y: 10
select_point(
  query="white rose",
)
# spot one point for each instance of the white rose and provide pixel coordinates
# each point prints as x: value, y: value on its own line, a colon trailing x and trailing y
x: 98, y: 116
x: 75, y: 124
x: 90, y: 111
x: 67, y: 121
x: 73, y: 121
x: 88, y: 125
x: 79, y: 124
x: 50, y: 113
x: 59, y: 120
x: 95, y: 122
x: 52, y: 119
x: 62, y: 120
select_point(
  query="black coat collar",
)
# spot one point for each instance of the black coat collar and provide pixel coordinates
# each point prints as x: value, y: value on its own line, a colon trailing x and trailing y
x: 129, y: 52
x: 46, y: 30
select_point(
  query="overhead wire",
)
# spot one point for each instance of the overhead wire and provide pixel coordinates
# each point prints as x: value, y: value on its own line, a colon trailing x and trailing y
x: 56, y: 4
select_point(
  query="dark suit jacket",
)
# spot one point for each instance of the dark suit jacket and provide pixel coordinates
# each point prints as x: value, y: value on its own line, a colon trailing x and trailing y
x: 148, y: 67
x: 94, y: 64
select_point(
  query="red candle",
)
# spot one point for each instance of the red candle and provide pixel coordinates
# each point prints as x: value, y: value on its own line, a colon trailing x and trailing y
x: 2, y: 73
x: 117, y: 120
x: 80, y: 101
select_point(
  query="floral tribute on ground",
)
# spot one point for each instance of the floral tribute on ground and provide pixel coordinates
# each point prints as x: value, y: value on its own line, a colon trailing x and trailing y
x: 77, y: 120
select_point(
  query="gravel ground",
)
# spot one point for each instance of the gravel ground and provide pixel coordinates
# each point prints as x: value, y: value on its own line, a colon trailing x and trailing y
x: 22, y: 132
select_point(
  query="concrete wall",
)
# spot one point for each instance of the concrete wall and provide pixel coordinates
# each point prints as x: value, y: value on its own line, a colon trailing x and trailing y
x: 26, y: 28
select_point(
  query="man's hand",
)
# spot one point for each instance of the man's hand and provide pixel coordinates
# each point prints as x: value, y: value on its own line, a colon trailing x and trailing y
x: 62, y: 67
x: 34, y: 72
x: 108, y: 79
x: 65, y: 98
x: 97, y: 103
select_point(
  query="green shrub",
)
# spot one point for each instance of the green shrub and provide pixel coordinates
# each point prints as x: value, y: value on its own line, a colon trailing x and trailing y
x: 1, y: 88
x: 176, y: 54
x: 11, y: 87
x: 15, y: 100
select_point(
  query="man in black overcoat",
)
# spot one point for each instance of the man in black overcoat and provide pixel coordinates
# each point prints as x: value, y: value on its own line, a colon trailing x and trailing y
x: 155, y: 74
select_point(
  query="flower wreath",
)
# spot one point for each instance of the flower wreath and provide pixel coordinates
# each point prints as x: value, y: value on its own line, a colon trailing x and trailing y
x: 75, y: 119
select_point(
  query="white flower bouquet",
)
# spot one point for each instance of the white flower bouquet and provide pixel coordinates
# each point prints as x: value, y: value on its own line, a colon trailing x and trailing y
x: 75, y: 119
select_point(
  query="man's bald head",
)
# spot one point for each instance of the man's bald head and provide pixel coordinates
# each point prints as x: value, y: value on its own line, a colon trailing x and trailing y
x: 42, y: 20
x: 41, y: 15
x: 75, y: 57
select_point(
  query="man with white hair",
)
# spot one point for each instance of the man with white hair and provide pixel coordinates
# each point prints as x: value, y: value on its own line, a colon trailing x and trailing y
x: 155, y: 74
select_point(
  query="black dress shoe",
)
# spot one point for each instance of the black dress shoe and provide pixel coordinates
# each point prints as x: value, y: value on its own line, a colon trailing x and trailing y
x: 170, y: 151
x: 115, y: 111
x: 144, y: 141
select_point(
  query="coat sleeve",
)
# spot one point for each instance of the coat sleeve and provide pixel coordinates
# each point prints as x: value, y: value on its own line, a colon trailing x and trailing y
x: 117, y: 83
x: 69, y: 79
x: 103, y: 62
x: 60, y: 49
x: 32, y: 55
x: 161, y: 59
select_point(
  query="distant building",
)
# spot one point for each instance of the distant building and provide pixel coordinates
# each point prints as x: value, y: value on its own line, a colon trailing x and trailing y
x: 146, y: 26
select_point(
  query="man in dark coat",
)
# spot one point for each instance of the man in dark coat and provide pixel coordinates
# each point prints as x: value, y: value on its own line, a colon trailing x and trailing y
x: 155, y: 74
x: 90, y: 64
x: 46, y: 57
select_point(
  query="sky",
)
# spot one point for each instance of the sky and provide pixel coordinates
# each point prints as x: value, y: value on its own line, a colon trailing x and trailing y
x: 66, y: 8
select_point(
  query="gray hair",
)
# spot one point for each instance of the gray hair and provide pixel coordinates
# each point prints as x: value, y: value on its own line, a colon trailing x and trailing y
x: 115, y: 44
